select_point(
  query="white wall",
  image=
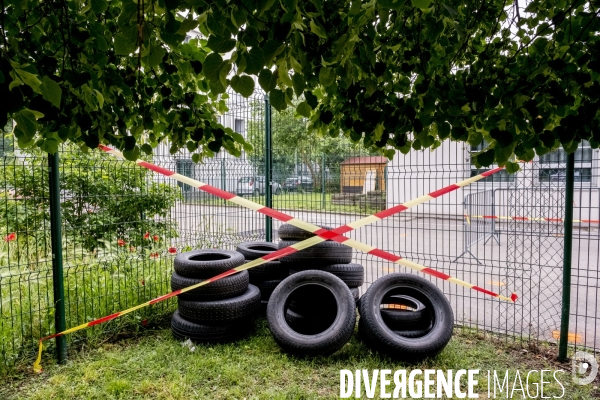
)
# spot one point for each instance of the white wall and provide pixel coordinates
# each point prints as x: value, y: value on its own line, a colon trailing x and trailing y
x: 421, y: 172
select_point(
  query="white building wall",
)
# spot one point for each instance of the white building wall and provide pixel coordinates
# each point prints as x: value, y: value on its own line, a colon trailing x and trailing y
x: 421, y: 172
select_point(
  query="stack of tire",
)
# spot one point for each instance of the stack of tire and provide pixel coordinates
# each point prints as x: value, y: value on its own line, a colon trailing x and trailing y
x: 266, y: 276
x: 220, y: 311
x: 308, y: 310
x: 328, y: 256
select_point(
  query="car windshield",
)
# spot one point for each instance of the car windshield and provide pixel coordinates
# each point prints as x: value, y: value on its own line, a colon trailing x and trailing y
x: 245, y: 179
x: 291, y: 180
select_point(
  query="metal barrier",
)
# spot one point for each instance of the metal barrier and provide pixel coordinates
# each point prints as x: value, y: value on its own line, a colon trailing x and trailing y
x: 122, y: 226
x: 476, y: 230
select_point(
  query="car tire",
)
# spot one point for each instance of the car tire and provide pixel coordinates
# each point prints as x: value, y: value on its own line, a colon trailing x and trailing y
x: 291, y: 232
x: 410, y: 315
x: 318, y: 255
x: 267, y: 288
x: 254, y: 250
x: 183, y: 329
x: 378, y: 335
x: 230, y: 286
x: 203, y: 264
x: 352, y: 274
x: 334, y: 336
x: 309, y: 324
x: 225, y: 310
x: 269, y: 271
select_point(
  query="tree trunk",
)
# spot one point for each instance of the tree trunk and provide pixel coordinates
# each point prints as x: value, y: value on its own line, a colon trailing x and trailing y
x: 306, y: 161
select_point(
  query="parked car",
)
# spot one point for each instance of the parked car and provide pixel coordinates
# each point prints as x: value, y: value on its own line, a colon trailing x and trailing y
x: 298, y: 182
x: 255, y: 185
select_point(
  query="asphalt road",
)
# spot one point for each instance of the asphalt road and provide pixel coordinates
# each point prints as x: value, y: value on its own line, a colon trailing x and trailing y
x: 527, y: 260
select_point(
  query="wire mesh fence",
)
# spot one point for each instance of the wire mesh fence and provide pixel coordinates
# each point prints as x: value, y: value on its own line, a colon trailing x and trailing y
x: 122, y: 226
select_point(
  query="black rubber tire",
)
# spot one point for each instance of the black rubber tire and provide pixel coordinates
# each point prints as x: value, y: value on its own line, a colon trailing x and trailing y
x: 417, y: 319
x: 183, y: 329
x: 307, y: 324
x: 226, y: 310
x: 203, y: 264
x: 267, y: 288
x: 290, y: 232
x: 269, y: 271
x: 254, y: 250
x: 355, y: 293
x: 317, y: 256
x: 379, y: 336
x: 230, y: 286
x: 412, y: 333
x: 352, y: 274
x: 331, y: 339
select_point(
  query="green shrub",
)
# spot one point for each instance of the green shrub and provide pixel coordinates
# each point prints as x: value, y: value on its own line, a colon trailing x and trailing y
x: 102, y: 199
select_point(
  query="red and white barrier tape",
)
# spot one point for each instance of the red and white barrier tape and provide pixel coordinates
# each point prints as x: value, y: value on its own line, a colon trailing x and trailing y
x: 335, y: 234
x: 536, y: 219
x: 322, y: 235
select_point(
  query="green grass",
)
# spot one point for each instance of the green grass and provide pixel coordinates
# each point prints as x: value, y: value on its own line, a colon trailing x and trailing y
x: 155, y: 366
x: 92, y: 290
x: 300, y: 201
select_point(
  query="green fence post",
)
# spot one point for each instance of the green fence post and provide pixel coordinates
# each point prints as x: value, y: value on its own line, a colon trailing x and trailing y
x: 60, y: 323
x: 566, y: 295
x: 268, y: 170
x: 323, y: 181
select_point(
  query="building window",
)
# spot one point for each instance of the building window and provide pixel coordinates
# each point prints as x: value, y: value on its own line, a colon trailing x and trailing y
x: 500, y: 176
x: 239, y: 126
x: 553, y: 166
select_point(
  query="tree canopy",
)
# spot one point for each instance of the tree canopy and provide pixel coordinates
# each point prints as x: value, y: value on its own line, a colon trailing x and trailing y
x: 394, y: 74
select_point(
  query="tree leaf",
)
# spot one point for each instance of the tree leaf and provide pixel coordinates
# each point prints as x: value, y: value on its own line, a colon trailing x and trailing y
x: 422, y: 4
x: 49, y: 146
x: 318, y: 30
x: 267, y: 80
x: 391, y: 4
x: 244, y: 85
x: 124, y: 45
x: 187, y: 25
x: 29, y: 79
x: 26, y: 123
x: 155, y: 55
x: 99, y: 6
x: 220, y: 44
x: 326, y: 76
x: 133, y: 154
x: 212, y: 66
x: 311, y: 99
x: 450, y: 10
x: 277, y: 99
x: 51, y: 91
x: 304, y: 109
x: 486, y: 158
x: 255, y: 60
x: 271, y: 49
x: 299, y: 83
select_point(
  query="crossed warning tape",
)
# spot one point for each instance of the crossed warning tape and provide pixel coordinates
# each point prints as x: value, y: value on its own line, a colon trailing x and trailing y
x: 322, y: 235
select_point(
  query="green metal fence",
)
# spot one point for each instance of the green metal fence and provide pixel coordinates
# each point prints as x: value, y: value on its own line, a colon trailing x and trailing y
x: 122, y: 225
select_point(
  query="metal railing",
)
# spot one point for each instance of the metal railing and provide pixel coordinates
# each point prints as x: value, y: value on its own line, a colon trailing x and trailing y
x: 112, y: 211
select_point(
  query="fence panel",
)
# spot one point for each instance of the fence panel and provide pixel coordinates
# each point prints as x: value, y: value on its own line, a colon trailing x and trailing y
x: 122, y: 226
